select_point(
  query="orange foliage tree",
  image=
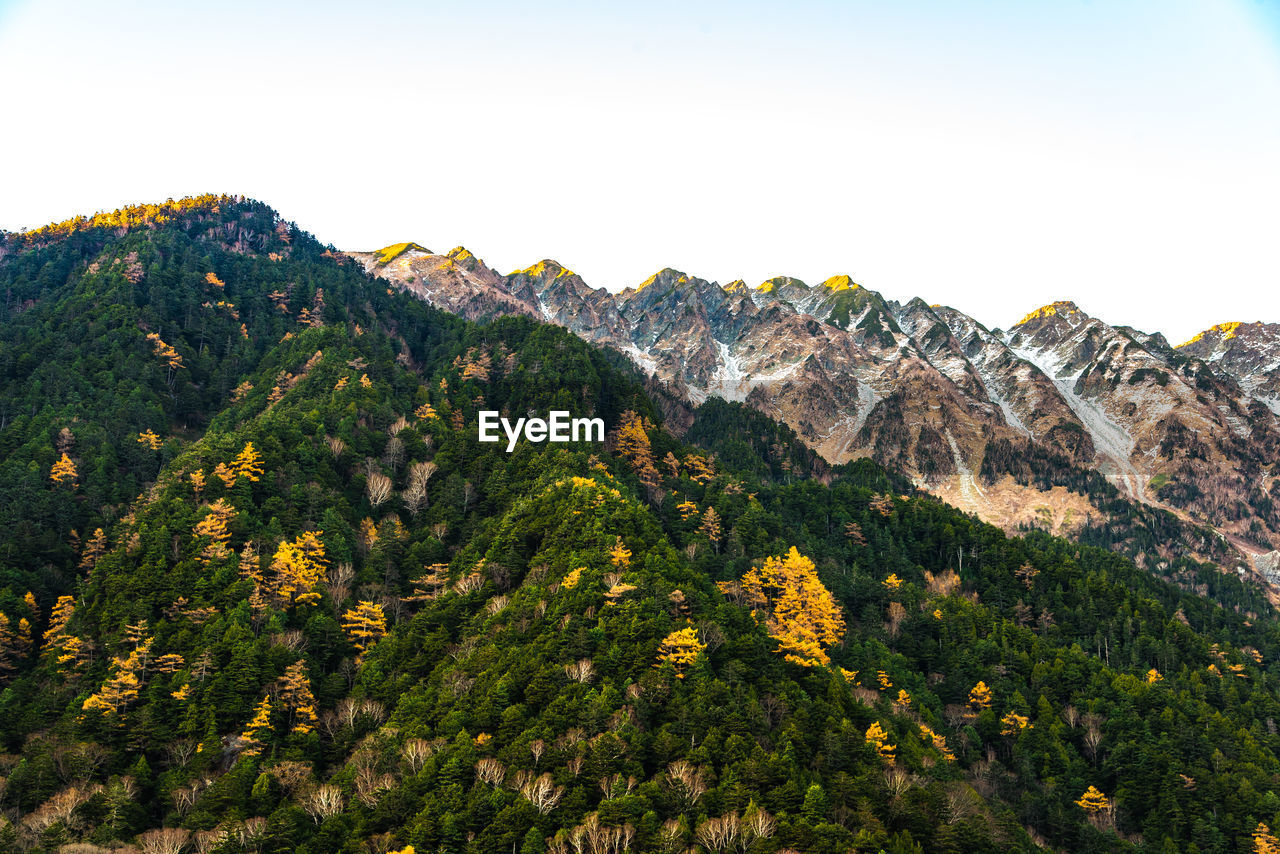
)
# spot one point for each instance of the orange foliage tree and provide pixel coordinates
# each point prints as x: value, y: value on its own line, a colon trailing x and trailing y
x: 633, y: 444
x: 365, y: 625
x: 299, y: 566
x: 800, y: 612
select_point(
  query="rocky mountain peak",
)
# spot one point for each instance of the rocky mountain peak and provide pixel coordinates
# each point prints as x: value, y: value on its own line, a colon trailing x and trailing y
x: 1062, y: 310
x: 840, y: 282
x: 546, y: 269
x: 780, y: 283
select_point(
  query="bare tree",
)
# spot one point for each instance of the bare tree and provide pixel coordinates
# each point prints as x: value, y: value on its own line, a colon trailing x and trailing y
x: 581, y: 670
x: 689, y: 782
x: 416, y: 751
x: 393, y: 454
x: 491, y: 772
x: 719, y: 834
x: 543, y: 793
x: 325, y: 801
x: 164, y: 840
x: 378, y: 488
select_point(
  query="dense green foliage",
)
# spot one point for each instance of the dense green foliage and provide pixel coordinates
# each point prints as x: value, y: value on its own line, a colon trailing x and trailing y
x: 518, y: 693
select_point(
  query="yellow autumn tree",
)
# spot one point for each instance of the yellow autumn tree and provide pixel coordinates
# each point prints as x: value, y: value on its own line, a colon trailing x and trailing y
x: 880, y: 739
x: 365, y: 625
x: 121, y: 687
x: 681, y: 649
x: 980, y: 697
x: 710, y: 527
x: 633, y: 444
x: 800, y: 612
x: 1013, y: 723
x: 1093, y: 801
x: 1264, y: 842
x: 298, y: 567
x: 620, y: 555
x: 150, y: 439
x: 63, y: 610
x: 248, y: 463
x: 258, y: 727
x: 296, y: 697
x: 227, y: 474
x: 63, y: 470
x: 214, y: 527
x: 94, y: 549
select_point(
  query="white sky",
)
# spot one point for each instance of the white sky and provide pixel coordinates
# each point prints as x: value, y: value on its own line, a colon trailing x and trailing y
x: 991, y: 156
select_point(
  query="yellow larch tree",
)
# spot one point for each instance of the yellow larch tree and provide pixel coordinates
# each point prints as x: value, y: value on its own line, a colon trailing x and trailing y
x: 298, y: 567
x: 681, y: 649
x: 63, y: 470
x: 296, y: 697
x: 1014, y: 723
x: 150, y: 439
x: 800, y: 612
x: 877, y: 737
x: 1264, y: 842
x: 980, y: 697
x: 121, y: 687
x: 214, y: 527
x: 226, y: 474
x: 710, y: 527
x: 633, y: 444
x: 94, y: 549
x: 12, y: 649
x: 63, y: 610
x: 197, y: 482
x: 620, y: 555
x: 248, y: 463
x: 365, y: 625
x: 258, y: 727
x: 1093, y: 801
x: 687, y: 509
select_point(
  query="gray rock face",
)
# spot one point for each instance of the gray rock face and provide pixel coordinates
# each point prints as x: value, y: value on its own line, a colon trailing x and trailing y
x: 928, y: 389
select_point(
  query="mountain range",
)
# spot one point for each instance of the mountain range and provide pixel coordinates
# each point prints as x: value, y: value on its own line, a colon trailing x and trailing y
x: 263, y: 590
x: 932, y: 392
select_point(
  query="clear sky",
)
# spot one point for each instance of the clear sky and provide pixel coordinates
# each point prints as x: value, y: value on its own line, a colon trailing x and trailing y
x: 992, y: 156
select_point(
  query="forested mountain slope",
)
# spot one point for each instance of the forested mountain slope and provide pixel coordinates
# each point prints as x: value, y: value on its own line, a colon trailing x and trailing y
x: 321, y: 616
